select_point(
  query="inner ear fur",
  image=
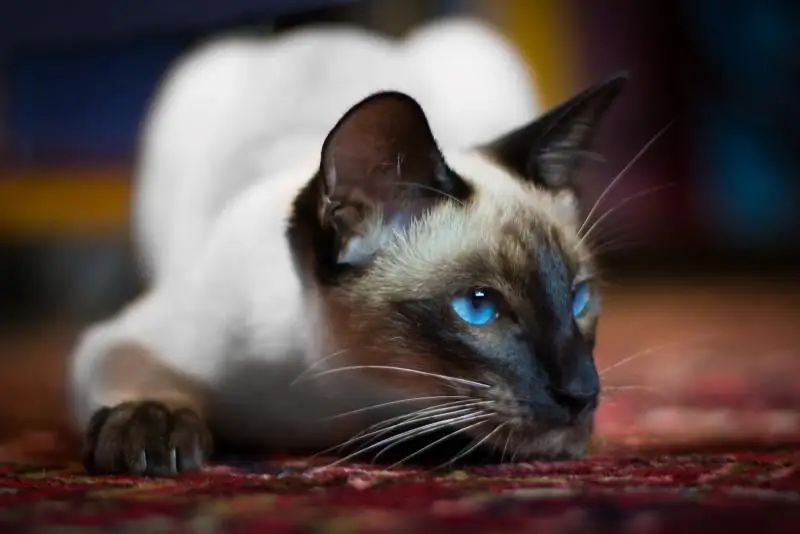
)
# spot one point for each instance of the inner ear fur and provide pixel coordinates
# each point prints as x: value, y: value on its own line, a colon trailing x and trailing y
x: 380, y: 165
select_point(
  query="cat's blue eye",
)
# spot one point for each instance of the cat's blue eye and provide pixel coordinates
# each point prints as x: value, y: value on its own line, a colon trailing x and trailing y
x: 475, y: 308
x: 581, y: 299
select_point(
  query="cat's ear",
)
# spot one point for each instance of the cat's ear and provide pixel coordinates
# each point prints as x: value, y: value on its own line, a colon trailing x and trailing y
x: 549, y: 150
x: 380, y: 167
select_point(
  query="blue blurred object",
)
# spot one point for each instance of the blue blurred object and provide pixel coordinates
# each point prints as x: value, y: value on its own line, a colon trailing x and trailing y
x: 750, y: 119
x: 78, y: 75
x: 54, y: 23
x: 84, y: 105
x: 750, y: 190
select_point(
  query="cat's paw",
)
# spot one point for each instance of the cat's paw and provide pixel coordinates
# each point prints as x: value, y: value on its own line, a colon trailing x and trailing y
x: 146, y: 438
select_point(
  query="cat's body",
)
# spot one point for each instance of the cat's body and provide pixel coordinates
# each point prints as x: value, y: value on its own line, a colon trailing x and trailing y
x: 246, y: 301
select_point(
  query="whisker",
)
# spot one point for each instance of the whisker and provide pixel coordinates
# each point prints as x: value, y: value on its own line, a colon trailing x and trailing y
x: 417, y: 420
x: 415, y: 432
x: 505, y: 447
x: 473, y: 447
x: 422, y: 411
x: 621, y: 204
x: 392, y: 403
x: 403, y: 421
x: 648, y: 389
x: 516, y: 451
x: 433, y: 409
x: 624, y: 171
x: 613, y: 245
x: 611, y: 233
x: 423, y: 415
x: 431, y: 445
x: 315, y: 364
x: 452, y: 379
x: 645, y: 352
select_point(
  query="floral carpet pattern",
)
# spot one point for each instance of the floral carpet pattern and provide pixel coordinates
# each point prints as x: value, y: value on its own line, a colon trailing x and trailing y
x: 641, y: 494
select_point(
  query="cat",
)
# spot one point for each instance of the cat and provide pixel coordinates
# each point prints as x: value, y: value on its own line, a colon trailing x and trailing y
x: 416, y: 260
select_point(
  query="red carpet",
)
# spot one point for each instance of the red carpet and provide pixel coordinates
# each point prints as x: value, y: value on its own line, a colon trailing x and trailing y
x: 738, y: 492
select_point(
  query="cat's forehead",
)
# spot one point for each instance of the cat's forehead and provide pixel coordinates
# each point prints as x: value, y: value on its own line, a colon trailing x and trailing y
x: 498, y: 236
x: 498, y: 188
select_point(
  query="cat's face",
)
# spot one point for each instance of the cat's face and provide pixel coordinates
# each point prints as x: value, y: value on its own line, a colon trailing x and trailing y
x: 463, y: 272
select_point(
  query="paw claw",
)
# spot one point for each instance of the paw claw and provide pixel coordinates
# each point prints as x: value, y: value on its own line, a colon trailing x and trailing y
x: 141, y: 465
x: 146, y: 439
x: 173, y: 461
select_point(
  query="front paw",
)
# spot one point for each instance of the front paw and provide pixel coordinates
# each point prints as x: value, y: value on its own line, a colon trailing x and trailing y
x: 146, y: 438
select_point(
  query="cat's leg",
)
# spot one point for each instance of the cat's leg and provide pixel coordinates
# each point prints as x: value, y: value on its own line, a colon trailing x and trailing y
x: 138, y: 390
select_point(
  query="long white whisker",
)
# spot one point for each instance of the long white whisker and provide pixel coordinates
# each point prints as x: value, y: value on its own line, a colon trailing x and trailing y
x: 612, y: 245
x: 413, y: 433
x: 453, y: 379
x: 394, y: 402
x: 399, y: 422
x: 426, y: 412
x: 418, y: 413
x: 505, y: 447
x: 612, y: 233
x: 423, y: 411
x: 316, y: 364
x: 416, y: 420
x: 621, y: 204
x: 624, y: 171
x: 636, y: 388
x: 431, y: 445
x: 516, y: 451
x: 473, y: 447
x: 646, y: 352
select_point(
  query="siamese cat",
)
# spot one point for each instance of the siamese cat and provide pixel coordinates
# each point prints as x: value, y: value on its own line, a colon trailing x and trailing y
x: 334, y: 254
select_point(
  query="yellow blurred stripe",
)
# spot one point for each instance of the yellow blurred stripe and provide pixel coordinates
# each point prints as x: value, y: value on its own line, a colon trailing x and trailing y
x: 545, y: 35
x: 95, y: 200
x: 64, y: 201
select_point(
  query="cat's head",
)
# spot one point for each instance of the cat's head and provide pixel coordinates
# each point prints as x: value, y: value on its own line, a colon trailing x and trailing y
x: 465, y: 269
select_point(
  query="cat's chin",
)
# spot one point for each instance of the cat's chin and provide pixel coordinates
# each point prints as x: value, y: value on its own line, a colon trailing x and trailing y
x: 521, y: 443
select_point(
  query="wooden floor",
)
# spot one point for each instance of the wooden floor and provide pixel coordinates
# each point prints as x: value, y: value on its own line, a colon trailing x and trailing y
x: 698, y: 339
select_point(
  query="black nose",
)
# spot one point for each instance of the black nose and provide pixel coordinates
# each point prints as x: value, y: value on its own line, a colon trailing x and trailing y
x: 579, y: 390
x: 579, y: 407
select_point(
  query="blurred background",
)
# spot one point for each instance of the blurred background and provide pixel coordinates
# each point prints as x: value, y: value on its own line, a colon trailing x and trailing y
x: 702, y: 297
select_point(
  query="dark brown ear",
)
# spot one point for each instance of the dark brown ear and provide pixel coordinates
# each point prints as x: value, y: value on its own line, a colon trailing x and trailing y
x: 549, y: 150
x: 380, y: 167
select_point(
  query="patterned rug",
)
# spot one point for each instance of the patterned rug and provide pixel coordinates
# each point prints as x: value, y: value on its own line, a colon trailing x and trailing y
x: 643, y: 494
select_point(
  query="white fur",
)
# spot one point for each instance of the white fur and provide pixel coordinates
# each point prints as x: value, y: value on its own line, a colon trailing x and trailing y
x: 234, y: 133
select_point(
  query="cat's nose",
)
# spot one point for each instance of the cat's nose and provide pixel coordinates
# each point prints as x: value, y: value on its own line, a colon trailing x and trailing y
x: 579, y: 406
x: 579, y: 391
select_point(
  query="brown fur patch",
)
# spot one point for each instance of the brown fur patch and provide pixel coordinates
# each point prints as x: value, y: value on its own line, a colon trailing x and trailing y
x: 494, y: 234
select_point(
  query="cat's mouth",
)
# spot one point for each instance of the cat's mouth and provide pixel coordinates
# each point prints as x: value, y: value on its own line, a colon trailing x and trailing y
x: 521, y: 441
x: 517, y: 431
